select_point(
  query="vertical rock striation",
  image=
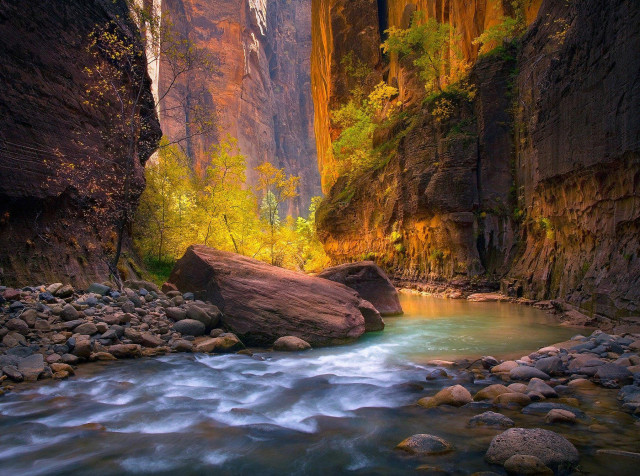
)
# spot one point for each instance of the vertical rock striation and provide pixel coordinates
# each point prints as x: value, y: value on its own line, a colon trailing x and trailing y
x: 578, y: 161
x: 534, y: 184
x: 355, y: 29
x: 54, y: 150
x: 261, y: 92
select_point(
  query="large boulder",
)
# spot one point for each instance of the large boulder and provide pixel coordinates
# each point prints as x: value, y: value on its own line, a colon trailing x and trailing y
x: 261, y: 303
x: 551, y: 448
x: 370, y: 282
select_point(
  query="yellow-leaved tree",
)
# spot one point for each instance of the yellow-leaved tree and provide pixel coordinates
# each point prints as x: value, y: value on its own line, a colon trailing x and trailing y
x: 277, y: 187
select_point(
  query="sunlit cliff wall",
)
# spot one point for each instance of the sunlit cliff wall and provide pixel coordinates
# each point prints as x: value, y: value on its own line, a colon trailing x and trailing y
x: 261, y: 90
x: 54, y: 153
x: 533, y: 185
x: 341, y: 27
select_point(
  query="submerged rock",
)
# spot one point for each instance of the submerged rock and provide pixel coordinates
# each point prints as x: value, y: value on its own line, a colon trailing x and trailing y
x: 423, y: 444
x: 262, y: 303
x: 370, y: 282
x: 526, y: 465
x: 491, y: 419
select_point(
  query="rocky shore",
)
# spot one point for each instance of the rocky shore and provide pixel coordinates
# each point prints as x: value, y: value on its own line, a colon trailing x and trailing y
x: 547, y: 386
x: 46, y: 331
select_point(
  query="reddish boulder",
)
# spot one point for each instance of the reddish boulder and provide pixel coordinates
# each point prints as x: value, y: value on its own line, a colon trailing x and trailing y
x: 261, y: 303
x: 370, y: 282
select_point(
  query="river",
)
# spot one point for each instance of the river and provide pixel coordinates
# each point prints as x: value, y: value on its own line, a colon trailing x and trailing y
x: 327, y: 411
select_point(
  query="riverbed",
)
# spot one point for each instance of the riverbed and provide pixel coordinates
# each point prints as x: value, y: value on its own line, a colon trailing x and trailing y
x: 339, y: 410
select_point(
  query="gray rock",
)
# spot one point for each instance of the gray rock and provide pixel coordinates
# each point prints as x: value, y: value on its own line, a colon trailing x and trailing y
x: 629, y: 394
x: 22, y: 352
x: 491, y: 419
x: 524, y: 372
x: 12, y: 372
x: 70, y: 325
x: 613, y: 372
x: 542, y: 408
x: 176, y: 314
x: 436, y: 374
x: 109, y: 335
x: 538, y: 386
x: 69, y: 313
x: 550, y: 365
x: 197, y: 314
x: 31, y: 367
x: 190, y: 327
x: 554, y: 450
x: 489, y: 362
x: 291, y: 344
x: 97, y: 288
x: 425, y: 444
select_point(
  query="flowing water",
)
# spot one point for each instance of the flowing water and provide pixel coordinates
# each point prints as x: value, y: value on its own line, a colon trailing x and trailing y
x: 337, y: 410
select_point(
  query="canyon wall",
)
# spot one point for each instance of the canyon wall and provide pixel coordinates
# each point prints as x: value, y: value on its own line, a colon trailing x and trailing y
x: 578, y: 156
x: 532, y: 185
x: 354, y: 30
x: 261, y: 89
x: 58, y: 188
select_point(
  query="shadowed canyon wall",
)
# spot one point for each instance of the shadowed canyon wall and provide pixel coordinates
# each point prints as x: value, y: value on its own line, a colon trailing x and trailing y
x: 55, y: 158
x: 261, y: 91
x: 533, y: 185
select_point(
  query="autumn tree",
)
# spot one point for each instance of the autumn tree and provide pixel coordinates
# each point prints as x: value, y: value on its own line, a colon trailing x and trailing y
x: 222, y: 195
x: 277, y: 187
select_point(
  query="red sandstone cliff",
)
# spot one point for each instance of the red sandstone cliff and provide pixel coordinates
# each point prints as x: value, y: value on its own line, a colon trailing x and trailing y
x: 534, y: 183
x: 261, y: 91
x: 47, y: 218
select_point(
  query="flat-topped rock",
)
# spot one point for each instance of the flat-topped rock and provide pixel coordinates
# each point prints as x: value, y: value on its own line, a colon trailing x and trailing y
x: 261, y: 303
x: 370, y: 282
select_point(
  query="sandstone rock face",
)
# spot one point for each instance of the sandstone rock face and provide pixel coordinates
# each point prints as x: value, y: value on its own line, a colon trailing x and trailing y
x: 261, y: 92
x: 45, y: 124
x: 356, y: 28
x: 370, y: 282
x: 261, y: 303
x: 579, y: 157
x: 544, y: 201
x: 419, y: 215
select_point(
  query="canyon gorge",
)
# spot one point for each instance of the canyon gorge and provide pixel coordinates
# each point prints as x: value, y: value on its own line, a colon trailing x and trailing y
x: 530, y: 186
x: 319, y: 237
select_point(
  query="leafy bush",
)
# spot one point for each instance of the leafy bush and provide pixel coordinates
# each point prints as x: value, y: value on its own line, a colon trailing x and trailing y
x: 433, y: 48
x: 357, y: 120
x: 494, y: 36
